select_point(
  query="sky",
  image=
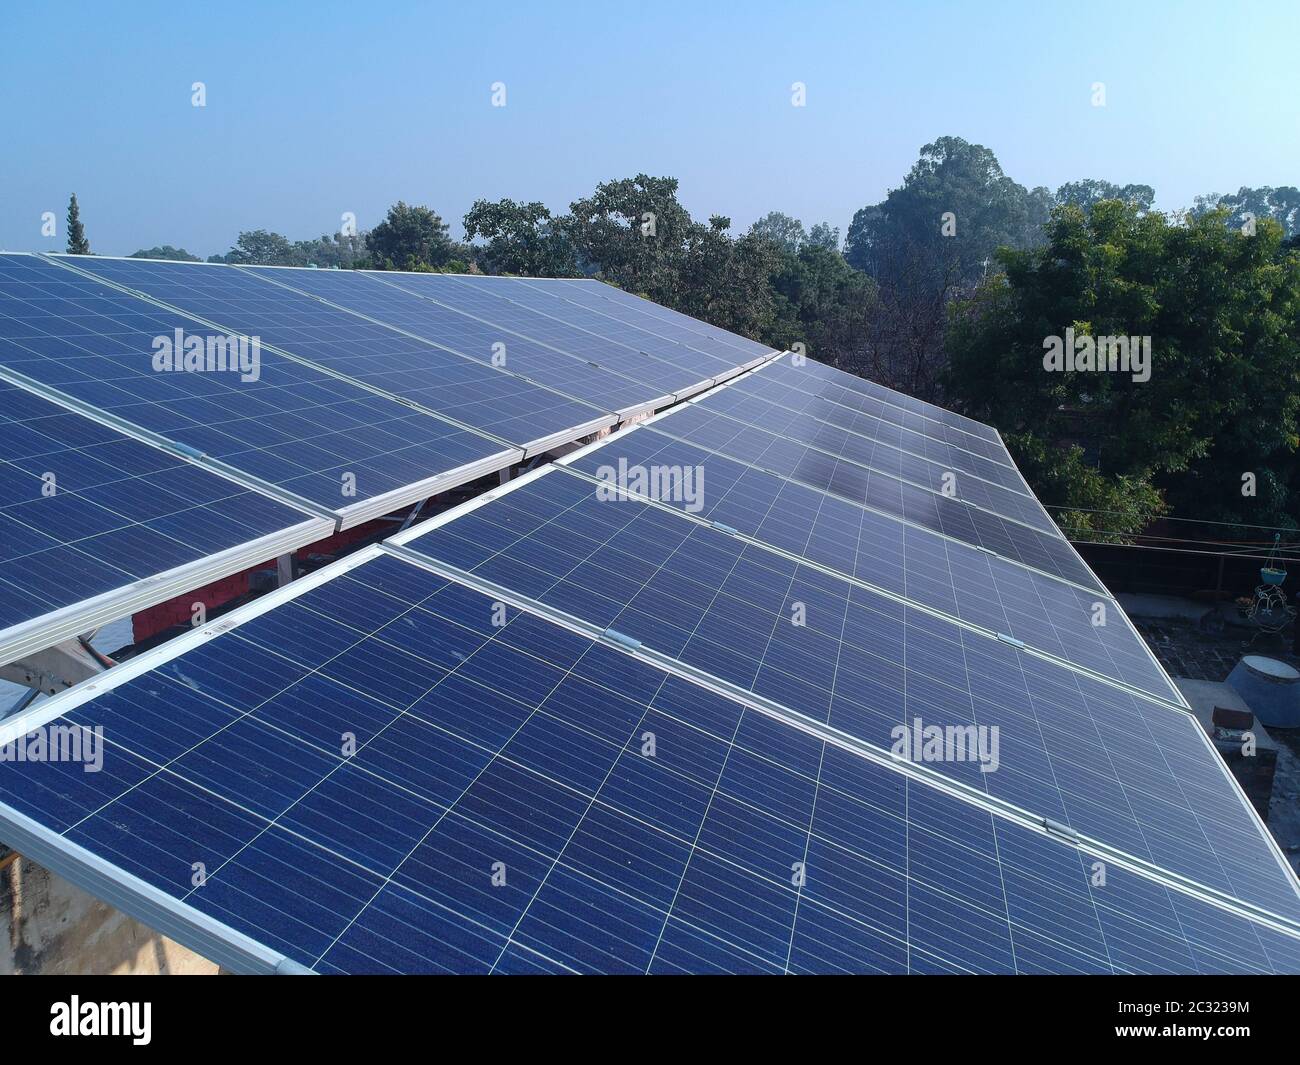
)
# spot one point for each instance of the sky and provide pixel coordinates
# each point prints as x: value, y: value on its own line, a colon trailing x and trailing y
x: 317, y: 109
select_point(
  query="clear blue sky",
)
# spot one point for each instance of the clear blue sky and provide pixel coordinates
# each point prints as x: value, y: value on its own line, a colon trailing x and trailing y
x: 319, y: 108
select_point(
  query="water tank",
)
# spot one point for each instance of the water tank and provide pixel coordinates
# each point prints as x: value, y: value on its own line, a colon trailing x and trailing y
x: 1270, y: 688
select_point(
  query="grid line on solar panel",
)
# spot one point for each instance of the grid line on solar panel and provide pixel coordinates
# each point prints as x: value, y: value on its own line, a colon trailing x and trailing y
x: 295, y: 427
x: 847, y: 446
x: 567, y: 334
x: 402, y: 368
x: 800, y: 378
x: 951, y: 578
x: 1117, y: 768
x: 670, y: 862
x: 606, y: 320
x: 609, y: 385
x: 798, y: 462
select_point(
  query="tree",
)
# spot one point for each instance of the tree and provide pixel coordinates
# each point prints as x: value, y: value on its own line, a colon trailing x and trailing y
x: 410, y: 238
x: 1084, y: 194
x: 522, y: 238
x: 77, y: 242
x: 635, y: 233
x: 824, y: 304
x: 954, y: 209
x: 1223, y: 397
x: 259, y: 247
x: 824, y: 235
x: 165, y: 251
x: 1281, y: 204
x: 786, y: 232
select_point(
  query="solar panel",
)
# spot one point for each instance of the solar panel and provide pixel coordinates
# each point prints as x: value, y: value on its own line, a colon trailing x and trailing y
x: 924, y: 567
x: 580, y: 332
x: 636, y: 310
x: 879, y: 404
x: 613, y: 319
x: 835, y: 442
x: 1118, y: 768
x: 799, y: 462
x: 954, y: 457
x: 94, y: 524
x: 325, y: 440
x: 523, y: 798
x: 626, y: 385
x: 475, y: 395
x: 816, y: 376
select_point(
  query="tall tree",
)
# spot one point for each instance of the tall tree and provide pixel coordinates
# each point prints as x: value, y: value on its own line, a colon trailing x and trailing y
x: 522, y: 238
x: 77, y: 242
x: 410, y: 238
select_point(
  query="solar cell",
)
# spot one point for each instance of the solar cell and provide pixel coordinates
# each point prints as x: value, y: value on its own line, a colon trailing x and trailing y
x: 1134, y: 774
x: 904, y: 560
x: 300, y: 430
x: 524, y: 799
x: 86, y: 513
x: 479, y: 396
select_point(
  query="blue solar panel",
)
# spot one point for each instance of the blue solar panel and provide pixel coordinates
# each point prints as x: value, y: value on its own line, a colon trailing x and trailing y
x: 885, y: 458
x: 85, y: 510
x: 580, y: 332
x: 948, y: 575
x: 617, y: 384
x: 477, y: 395
x: 799, y: 462
x: 294, y: 427
x: 1120, y: 769
x: 503, y: 812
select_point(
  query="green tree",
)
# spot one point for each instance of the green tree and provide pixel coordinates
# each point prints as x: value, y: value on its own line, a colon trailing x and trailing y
x: 1084, y: 194
x: 410, y: 238
x: 1280, y: 204
x: 259, y: 247
x: 165, y: 251
x: 522, y: 238
x: 824, y: 235
x: 826, y: 305
x: 77, y: 242
x: 1221, y: 311
x: 635, y: 233
x: 786, y: 232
